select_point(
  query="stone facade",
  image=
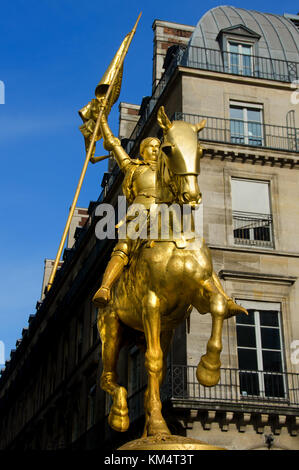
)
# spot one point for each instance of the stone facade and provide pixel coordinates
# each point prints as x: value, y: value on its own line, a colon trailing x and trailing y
x: 49, y: 391
x: 167, y: 34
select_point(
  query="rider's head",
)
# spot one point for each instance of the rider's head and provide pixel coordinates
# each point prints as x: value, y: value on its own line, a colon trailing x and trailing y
x: 149, y: 148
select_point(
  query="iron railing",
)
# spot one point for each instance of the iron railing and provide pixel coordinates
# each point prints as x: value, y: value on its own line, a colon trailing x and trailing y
x: 261, y: 390
x: 233, y: 63
x: 253, y: 229
x: 231, y: 131
x: 218, y: 61
x: 237, y: 386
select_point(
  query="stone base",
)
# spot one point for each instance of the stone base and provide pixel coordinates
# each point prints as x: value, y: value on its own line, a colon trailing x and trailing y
x: 165, y: 442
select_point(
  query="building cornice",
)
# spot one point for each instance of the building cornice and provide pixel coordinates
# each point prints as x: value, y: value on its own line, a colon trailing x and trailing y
x: 172, y: 25
x: 252, y: 155
x: 260, y: 277
x: 240, y: 79
x: 254, y: 251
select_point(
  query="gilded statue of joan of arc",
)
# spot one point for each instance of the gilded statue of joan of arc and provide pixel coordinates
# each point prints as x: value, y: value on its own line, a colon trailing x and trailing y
x: 139, y: 187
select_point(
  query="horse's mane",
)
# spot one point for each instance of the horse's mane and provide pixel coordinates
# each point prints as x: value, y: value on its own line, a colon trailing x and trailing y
x: 163, y: 180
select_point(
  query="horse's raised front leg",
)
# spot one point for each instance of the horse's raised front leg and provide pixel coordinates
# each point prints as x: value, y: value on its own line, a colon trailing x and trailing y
x: 110, y: 331
x: 208, y: 370
x: 155, y: 423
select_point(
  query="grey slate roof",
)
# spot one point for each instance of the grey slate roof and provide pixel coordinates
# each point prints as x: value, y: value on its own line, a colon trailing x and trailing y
x: 279, y: 36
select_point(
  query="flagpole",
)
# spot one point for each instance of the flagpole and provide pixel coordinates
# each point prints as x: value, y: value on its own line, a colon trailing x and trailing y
x: 83, y: 172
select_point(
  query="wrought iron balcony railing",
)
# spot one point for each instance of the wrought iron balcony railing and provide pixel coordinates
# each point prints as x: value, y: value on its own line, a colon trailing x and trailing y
x: 223, y: 62
x: 231, y: 131
x: 233, y: 63
x: 253, y: 229
x: 261, y: 390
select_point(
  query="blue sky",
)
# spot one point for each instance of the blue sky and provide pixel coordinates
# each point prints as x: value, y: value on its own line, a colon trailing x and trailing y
x: 52, y: 55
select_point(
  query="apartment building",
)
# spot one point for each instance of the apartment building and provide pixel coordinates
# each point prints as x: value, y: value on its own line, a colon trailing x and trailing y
x: 239, y: 69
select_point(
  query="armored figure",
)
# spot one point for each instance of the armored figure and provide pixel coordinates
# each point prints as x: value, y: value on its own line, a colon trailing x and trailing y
x: 139, y: 187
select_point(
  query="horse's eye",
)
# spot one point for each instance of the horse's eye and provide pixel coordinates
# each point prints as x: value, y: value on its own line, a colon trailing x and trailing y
x: 167, y: 149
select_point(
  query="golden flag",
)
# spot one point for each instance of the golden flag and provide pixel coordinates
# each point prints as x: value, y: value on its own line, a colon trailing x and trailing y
x: 90, y: 112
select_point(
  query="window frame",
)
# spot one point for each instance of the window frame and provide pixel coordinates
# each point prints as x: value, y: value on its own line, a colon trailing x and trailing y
x: 261, y: 174
x: 252, y: 240
x: 94, y: 334
x: 79, y: 338
x: 240, y: 66
x: 245, y: 107
x: 260, y: 373
x: 91, y: 407
x: 243, y: 36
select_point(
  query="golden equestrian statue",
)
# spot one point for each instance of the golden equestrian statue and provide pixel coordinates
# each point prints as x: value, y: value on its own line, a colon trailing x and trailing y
x: 155, y: 291
x: 151, y: 283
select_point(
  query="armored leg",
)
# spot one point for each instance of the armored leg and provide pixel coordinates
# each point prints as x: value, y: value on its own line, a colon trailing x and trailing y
x: 114, y: 268
x: 111, y: 275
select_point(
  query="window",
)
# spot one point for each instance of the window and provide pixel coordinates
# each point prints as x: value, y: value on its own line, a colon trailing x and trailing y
x: 79, y: 340
x: 252, y: 219
x: 52, y: 368
x: 260, y: 355
x: 91, y: 404
x: 64, y: 368
x: 246, y: 124
x: 75, y: 424
x: 135, y: 371
x: 135, y: 383
x: 94, y: 325
x: 240, y: 58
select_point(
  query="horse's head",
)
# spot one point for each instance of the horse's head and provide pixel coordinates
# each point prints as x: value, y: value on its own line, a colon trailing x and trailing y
x: 180, y: 155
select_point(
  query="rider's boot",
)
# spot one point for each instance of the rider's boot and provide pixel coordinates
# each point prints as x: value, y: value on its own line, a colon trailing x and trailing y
x: 111, y: 275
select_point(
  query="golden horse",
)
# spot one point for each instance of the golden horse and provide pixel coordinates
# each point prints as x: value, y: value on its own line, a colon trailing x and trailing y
x: 159, y: 287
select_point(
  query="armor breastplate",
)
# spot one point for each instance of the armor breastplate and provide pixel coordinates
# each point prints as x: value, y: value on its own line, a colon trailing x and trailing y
x: 144, y: 185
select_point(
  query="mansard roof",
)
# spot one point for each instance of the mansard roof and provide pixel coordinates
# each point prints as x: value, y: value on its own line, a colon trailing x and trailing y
x: 278, y: 35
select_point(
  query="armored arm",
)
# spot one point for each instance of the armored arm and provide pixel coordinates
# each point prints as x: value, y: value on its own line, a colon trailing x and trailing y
x: 112, y: 144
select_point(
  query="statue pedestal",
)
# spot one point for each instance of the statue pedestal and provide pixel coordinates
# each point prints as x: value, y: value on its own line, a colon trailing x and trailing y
x: 168, y: 442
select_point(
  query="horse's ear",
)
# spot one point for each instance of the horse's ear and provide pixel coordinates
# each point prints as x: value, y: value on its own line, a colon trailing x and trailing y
x: 200, y: 125
x: 163, y: 120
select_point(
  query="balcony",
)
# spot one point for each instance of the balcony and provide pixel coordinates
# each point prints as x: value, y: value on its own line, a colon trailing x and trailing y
x: 261, y: 388
x: 228, y: 62
x: 231, y: 131
x: 237, y: 390
x: 253, y: 229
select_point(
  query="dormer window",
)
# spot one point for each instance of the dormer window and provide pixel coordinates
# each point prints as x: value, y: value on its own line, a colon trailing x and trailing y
x: 240, y: 60
x: 239, y: 46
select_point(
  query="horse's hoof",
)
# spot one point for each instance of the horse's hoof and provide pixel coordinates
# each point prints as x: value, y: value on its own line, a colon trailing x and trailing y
x: 118, y: 417
x: 207, y: 377
x: 155, y: 424
x: 118, y: 423
x: 158, y: 428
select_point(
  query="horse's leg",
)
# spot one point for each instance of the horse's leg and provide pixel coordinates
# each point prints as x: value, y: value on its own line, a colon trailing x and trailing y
x: 165, y: 339
x: 110, y: 331
x: 155, y: 423
x: 208, y: 370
